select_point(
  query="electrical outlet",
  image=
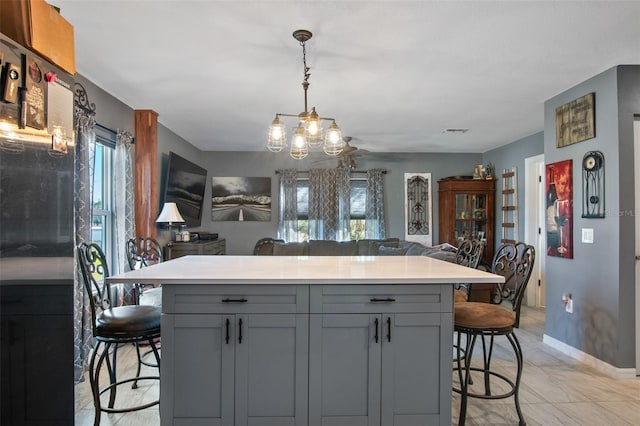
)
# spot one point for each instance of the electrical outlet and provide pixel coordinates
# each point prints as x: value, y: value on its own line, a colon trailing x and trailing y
x: 569, y: 306
x: 567, y: 302
x: 587, y: 235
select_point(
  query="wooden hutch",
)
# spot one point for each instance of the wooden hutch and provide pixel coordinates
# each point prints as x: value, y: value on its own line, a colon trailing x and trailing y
x: 467, y: 211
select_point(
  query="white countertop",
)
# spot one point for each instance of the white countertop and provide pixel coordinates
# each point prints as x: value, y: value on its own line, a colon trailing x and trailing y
x: 36, y: 270
x: 306, y: 270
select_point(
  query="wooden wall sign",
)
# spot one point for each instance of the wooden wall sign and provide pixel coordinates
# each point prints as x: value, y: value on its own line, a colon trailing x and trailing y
x: 575, y: 121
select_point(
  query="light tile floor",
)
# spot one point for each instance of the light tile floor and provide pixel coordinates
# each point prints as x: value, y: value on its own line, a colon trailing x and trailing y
x: 555, y: 390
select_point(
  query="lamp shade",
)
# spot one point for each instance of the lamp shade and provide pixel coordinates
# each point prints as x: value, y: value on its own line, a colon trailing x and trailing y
x: 170, y: 214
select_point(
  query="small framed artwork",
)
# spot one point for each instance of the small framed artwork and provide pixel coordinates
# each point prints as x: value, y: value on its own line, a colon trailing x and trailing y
x: 417, y: 208
x: 575, y: 121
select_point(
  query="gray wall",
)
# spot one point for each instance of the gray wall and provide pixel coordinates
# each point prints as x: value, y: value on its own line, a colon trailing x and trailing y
x: 600, y: 277
x: 110, y: 112
x: 242, y: 236
x: 506, y: 157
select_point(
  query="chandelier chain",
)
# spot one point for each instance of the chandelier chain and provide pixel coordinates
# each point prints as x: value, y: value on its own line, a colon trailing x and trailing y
x: 305, y: 82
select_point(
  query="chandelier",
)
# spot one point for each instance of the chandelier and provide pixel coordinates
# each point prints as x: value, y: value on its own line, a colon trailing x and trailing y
x: 309, y: 133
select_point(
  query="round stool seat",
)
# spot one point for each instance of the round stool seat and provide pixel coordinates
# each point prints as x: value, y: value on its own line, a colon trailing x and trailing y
x: 128, y: 321
x: 483, y: 316
x: 460, y: 296
x: 151, y: 296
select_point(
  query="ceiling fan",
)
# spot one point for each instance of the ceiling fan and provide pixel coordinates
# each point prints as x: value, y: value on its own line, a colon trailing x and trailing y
x: 349, y: 154
x: 346, y: 158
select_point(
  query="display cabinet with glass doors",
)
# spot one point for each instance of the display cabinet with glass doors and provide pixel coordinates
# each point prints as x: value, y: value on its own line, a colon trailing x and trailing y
x: 466, y: 211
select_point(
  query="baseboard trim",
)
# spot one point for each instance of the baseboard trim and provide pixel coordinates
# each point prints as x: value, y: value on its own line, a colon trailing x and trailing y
x: 601, y: 366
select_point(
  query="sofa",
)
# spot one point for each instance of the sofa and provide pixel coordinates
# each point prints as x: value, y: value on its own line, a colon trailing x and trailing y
x: 384, y: 247
x: 365, y: 247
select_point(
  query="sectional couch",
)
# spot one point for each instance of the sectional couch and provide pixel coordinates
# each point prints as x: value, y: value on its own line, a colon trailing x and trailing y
x: 386, y: 247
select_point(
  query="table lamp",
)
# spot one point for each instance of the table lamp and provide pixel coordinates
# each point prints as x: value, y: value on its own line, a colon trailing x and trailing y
x: 171, y: 216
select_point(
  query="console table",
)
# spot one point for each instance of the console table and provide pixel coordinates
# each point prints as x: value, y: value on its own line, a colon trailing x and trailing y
x: 198, y: 247
x: 324, y: 340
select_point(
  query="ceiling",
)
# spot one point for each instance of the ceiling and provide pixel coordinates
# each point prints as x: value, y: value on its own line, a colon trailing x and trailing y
x: 394, y: 74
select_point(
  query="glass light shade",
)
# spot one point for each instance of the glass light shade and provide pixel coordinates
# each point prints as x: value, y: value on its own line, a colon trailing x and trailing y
x: 316, y: 139
x: 170, y: 214
x: 277, y: 136
x: 299, y: 144
x: 312, y: 123
x: 333, y: 142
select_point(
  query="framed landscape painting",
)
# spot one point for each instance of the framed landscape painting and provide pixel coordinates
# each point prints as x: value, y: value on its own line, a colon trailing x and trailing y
x: 240, y: 199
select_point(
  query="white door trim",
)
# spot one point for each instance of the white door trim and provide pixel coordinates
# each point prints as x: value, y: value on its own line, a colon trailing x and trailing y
x: 636, y: 147
x: 534, y: 226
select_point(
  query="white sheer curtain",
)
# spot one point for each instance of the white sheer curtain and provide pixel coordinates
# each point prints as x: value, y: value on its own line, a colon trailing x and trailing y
x: 83, y: 182
x: 329, y: 204
x: 123, y: 174
x: 124, y: 209
x: 375, y: 226
x: 288, y: 206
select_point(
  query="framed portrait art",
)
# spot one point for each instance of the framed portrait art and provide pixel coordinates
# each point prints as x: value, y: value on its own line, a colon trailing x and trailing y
x: 559, y: 216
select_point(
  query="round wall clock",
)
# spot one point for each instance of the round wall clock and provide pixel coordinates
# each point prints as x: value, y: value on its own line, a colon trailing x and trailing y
x: 593, y: 185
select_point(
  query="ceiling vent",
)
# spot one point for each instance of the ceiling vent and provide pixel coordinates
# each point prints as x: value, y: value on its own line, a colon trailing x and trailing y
x: 455, y: 130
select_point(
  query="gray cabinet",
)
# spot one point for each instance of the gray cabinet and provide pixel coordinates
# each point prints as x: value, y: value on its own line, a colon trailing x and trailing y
x: 36, y: 354
x: 197, y: 247
x: 271, y: 383
x: 240, y: 364
x: 344, y: 370
x: 376, y: 363
x: 200, y: 387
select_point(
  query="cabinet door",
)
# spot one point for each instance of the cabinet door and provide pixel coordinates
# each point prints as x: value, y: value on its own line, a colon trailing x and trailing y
x: 37, y: 370
x: 414, y: 393
x: 271, y: 369
x: 344, y: 369
x: 197, y: 386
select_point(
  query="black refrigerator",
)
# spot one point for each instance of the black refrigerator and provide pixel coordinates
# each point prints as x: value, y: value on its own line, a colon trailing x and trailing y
x: 36, y: 258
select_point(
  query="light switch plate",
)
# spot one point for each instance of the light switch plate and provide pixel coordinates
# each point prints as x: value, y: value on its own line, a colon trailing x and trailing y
x: 587, y: 235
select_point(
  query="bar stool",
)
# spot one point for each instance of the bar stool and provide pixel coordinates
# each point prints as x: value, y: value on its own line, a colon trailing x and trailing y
x: 473, y: 319
x: 143, y: 252
x: 113, y: 326
x: 469, y: 254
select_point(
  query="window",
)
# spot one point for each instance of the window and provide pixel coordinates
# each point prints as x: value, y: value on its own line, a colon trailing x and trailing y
x: 102, y: 227
x: 357, y: 207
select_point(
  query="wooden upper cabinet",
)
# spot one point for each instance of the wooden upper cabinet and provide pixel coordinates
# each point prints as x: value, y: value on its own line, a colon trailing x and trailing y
x: 467, y: 211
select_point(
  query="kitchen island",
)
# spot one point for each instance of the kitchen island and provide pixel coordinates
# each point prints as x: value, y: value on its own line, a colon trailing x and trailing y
x: 325, y: 340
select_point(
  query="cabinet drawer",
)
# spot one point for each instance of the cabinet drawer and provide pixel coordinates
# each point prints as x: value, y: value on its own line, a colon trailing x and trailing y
x: 381, y: 298
x: 37, y: 299
x: 213, y: 249
x: 228, y: 299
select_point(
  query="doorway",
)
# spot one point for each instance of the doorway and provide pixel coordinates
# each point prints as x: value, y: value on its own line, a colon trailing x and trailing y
x: 534, y: 227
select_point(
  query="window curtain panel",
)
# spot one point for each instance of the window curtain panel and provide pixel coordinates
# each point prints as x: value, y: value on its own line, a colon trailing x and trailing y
x: 124, y: 209
x: 329, y: 204
x: 83, y: 183
x: 375, y: 226
x: 288, y: 206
